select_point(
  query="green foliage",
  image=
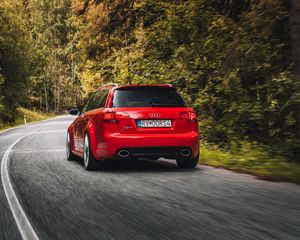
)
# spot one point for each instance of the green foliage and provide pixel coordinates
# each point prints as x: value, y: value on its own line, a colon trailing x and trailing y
x: 15, y: 61
x: 230, y: 60
x: 54, y: 81
x: 251, y: 158
x: 31, y: 116
x: 2, y: 112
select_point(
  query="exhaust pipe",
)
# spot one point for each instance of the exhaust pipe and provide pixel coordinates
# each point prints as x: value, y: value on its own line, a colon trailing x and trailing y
x: 186, y: 152
x: 123, y: 153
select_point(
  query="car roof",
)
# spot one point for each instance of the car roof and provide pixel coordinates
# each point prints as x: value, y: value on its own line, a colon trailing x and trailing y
x: 115, y: 86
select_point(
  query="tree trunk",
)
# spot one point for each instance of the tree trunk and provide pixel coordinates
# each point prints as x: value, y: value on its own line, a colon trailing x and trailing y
x: 46, y: 99
x: 295, y: 42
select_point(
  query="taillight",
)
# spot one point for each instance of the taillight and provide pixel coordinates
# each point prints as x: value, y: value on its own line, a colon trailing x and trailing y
x: 191, y: 116
x: 122, y: 115
x: 114, y: 117
x: 110, y: 117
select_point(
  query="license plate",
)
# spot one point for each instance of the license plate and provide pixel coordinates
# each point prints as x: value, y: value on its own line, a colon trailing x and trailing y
x: 154, y: 123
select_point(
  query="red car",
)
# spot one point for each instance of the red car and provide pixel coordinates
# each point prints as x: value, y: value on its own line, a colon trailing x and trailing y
x: 135, y: 121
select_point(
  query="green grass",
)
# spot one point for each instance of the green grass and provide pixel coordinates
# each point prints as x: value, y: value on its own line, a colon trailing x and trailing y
x: 31, y: 116
x: 253, y: 159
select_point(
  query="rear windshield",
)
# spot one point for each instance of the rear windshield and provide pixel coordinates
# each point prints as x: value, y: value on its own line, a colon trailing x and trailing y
x: 147, y: 97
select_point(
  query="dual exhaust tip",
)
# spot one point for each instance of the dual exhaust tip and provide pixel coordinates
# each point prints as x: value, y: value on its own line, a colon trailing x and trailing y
x: 185, y: 152
x: 123, y: 153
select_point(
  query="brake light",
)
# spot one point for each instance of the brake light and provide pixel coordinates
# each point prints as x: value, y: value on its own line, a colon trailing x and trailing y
x: 110, y: 117
x: 191, y: 116
x: 122, y: 115
x: 184, y: 115
x: 114, y: 117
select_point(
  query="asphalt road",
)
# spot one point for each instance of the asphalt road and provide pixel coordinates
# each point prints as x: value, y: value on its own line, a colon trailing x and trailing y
x: 137, y: 200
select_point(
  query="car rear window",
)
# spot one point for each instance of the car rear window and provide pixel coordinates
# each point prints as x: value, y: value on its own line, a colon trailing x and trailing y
x: 147, y: 97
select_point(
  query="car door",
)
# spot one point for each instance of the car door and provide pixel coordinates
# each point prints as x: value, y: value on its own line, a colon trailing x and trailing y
x: 90, y: 115
x: 79, y: 125
x: 95, y: 109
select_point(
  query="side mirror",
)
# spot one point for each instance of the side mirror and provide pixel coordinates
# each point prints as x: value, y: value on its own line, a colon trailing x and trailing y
x: 74, y: 112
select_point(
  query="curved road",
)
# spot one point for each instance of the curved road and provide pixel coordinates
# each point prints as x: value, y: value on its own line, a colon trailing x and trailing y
x: 137, y: 200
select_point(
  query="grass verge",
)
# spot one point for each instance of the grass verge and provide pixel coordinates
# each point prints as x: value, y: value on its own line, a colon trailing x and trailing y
x: 31, y: 116
x: 253, y: 159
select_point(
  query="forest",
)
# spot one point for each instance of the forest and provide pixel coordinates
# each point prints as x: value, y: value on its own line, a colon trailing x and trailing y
x: 236, y: 62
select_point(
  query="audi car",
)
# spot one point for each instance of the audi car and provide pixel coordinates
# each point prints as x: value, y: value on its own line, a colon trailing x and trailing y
x: 134, y: 122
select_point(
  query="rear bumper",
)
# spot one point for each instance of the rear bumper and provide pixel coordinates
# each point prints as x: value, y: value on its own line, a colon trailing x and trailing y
x: 160, y: 145
x: 154, y: 152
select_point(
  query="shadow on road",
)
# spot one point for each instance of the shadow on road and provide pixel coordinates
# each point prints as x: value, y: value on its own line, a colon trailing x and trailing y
x: 123, y: 166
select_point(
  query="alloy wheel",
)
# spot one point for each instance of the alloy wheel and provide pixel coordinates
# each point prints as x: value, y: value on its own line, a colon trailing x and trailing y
x: 86, y: 151
x: 68, y: 145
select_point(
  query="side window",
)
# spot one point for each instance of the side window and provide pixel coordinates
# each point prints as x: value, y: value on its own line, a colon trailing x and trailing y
x: 94, y: 103
x: 97, y: 100
x: 103, y: 98
x: 86, y: 106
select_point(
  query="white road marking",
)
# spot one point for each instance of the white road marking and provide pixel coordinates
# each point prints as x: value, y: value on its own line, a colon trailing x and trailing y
x: 26, y: 230
x: 24, y: 226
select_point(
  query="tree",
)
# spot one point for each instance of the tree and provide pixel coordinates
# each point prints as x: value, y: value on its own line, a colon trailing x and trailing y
x: 15, y: 60
x: 55, y: 79
x: 230, y: 59
x: 294, y: 10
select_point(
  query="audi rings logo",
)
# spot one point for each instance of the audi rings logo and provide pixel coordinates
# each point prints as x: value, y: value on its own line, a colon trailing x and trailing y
x: 154, y: 115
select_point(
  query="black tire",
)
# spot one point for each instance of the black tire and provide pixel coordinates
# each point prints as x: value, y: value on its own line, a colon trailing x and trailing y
x: 187, y: 162
x: 70, y: 155
x: 90, y: 163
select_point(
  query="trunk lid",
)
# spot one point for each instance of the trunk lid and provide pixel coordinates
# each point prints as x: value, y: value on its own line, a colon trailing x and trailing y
x: 129, y: 120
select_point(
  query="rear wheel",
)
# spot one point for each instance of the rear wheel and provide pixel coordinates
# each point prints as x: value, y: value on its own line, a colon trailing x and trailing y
x: 188, y: 162
x: 90, y: 163
x: 70, y: 155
